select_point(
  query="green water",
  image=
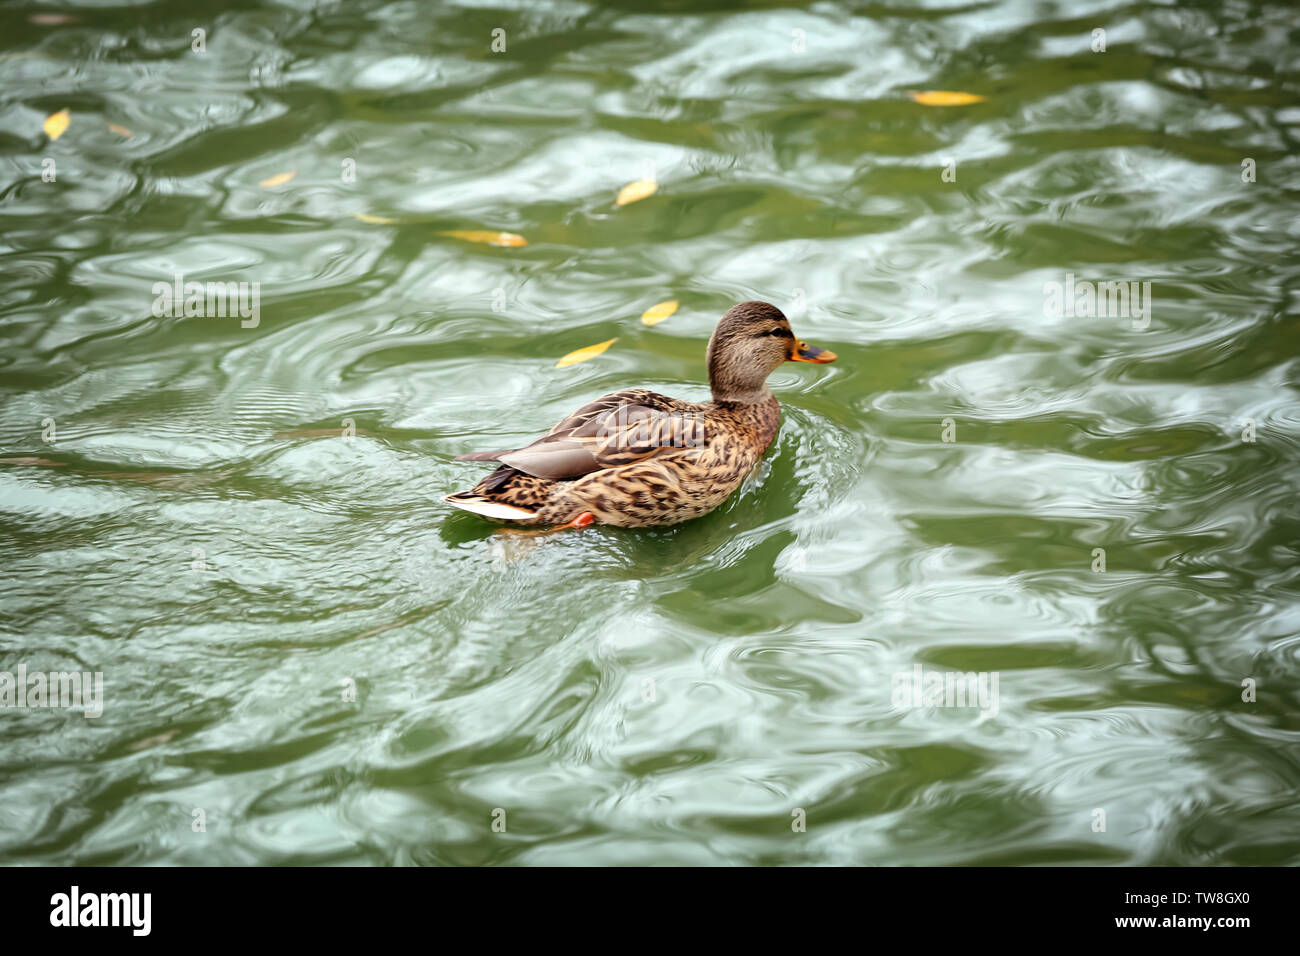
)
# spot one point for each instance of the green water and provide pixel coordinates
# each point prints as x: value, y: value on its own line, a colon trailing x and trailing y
x: 185, y: 507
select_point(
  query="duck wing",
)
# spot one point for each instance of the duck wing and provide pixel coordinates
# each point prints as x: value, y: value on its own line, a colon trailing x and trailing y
x: 575, y: 421
x: 616, y: 429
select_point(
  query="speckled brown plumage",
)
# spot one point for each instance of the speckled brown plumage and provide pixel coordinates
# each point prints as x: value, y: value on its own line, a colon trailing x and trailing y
x: 636, y: 458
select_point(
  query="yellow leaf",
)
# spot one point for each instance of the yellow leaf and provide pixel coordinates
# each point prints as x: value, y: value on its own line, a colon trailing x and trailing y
x: 657, y: 313
x: 581, y: 355
x: 488, y: 237
x: 279, y: 179
x: 120, y: 130
x: 945, y: 98
x: 377, y: 220
x: 56, y: 123
x: 636, y: 191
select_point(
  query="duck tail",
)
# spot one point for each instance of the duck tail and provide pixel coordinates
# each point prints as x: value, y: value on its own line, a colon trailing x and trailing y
x: 490, y: 497
x: 477, y: 504
x: 484, y: 455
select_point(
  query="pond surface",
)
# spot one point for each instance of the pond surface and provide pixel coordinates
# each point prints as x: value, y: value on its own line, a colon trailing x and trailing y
x: 308, y: 658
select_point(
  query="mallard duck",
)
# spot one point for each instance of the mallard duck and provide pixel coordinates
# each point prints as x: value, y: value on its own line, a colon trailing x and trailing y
x: 636, y: 458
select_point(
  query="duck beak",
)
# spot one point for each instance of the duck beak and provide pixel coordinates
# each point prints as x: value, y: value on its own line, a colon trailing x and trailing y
x: 811, y: 353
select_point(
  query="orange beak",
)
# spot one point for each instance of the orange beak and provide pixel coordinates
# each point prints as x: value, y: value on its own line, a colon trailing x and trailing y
x: 804, y: 352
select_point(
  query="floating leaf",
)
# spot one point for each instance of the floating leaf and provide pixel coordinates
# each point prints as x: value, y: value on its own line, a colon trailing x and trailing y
x: 52, y: 19
x: 945, y: 98
x: 120, y: 130
x: 657, y: 313
x: 582, y: 355
x: 638, y: 190
x: 488, y: 237
x: 279, y: 179
x: 56, y: 123
x: 377, y: 220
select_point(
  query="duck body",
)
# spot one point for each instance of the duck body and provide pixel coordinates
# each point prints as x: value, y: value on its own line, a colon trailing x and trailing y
x: 697, y: 455
x: 636, y: 458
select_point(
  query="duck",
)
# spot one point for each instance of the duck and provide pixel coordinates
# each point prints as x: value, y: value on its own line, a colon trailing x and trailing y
x: 635, y: 458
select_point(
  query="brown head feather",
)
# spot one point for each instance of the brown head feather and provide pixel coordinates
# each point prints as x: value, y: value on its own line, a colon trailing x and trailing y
x: 750, y: 342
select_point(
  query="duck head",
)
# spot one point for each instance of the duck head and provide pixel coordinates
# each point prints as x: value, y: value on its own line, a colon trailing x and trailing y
x: 751, y: 341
